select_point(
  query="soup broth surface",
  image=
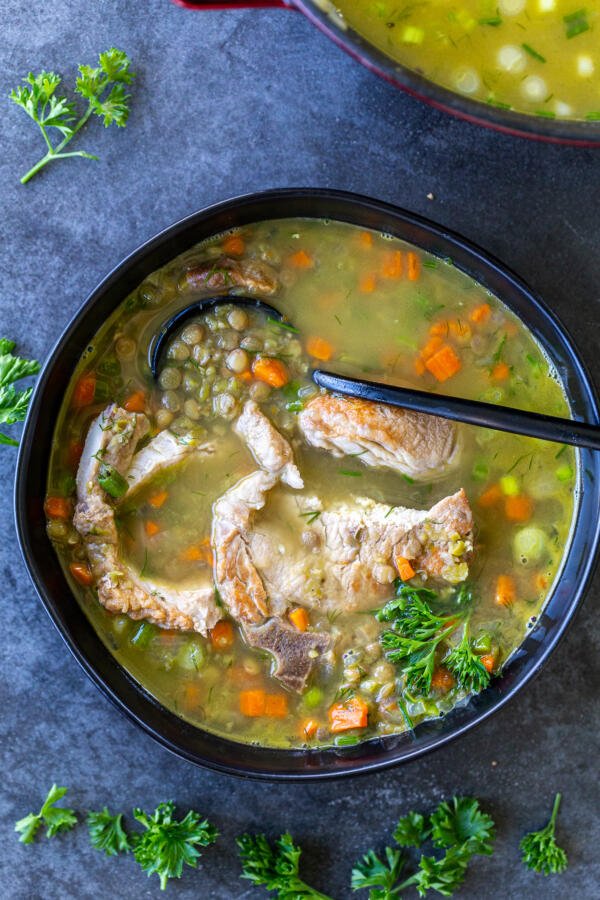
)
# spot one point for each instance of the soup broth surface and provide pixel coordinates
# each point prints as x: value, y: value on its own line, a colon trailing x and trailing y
x: 535, y: 56
x: 368, y: 305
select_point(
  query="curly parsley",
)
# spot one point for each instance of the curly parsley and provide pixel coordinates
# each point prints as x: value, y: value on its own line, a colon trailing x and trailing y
x: 540, y: 851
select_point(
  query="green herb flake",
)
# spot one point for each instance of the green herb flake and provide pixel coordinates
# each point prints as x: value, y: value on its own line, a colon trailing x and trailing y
x: 55, y: 818
x: 533, y: 53
x: 350, y: 473
x: 576, y: 23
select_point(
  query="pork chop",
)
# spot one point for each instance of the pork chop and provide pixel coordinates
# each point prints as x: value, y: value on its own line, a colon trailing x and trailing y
x: 420, y: 446
x: 255, y: 276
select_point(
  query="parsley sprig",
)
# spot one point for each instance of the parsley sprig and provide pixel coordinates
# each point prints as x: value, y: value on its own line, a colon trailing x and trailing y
x: 55, y: 818
x: 275, y: 867
x: 540, y: 851
x: 107, y: 833
x: 458, y: 827
x: 13, y: 402
x: 104, y: 89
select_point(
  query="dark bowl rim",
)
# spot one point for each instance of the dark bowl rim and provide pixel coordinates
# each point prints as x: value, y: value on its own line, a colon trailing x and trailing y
x: 334, y: 756
x: 579, y: 133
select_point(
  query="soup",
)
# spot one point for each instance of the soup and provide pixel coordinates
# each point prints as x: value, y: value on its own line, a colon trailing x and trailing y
x: 286, y: 567
x: 534, y: 56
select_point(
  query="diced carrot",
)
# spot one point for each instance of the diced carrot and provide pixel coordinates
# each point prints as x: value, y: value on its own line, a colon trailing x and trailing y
x: 234, y: 244
x: 302, y: 260
x: 506, y: 590
x: 491, y: 496
x: 460, y: 331
x: 442, y: 680
x: 439, y: 329
x: 252, y: 703
x: 367, y: 284
x: 276, y: 706
x: 158, y: 499
x: 245, y: 376
x: 308, y: 729
x: 510, y: 329
x: 319, y: 348
x: 432, y: 346
x: 365, y: 239
x: 392, y: 264
x: 84, y: 391
x: 500, y: 372
x: 57, y: 508
x: 480, y: 314
x: 191, y: 694
x: 353, y: 713
x: 541, y: 581
x: 519, y: 508
x: 420, y: 366
x: 405, y: 570
x: 191, y: 554
x: 488, y: 661
x: 74, y: 452
x: 271, y: 371
x: 413, y: 266
x: 221, y: 636
x: 151, y: 528
x: 241, y: 677
x: 136, y: 402
x: 443, y: 364
x: 299, y: 618
x: 82, y: 573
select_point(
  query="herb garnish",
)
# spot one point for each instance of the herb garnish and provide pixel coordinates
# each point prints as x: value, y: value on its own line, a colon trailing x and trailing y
x: 540, y: 850
x: 533, y: 53
x: 106, y: 832
x: 576, y: 23
x: 55, y: 818
x: 13, y: 403
x: 276, y: 867
x: 102, y: 87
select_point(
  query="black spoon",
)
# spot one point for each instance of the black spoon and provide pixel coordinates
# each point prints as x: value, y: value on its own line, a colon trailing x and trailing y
x: 472, y: 412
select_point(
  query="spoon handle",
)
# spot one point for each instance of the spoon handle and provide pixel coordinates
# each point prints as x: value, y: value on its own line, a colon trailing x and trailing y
x: 473, y: 412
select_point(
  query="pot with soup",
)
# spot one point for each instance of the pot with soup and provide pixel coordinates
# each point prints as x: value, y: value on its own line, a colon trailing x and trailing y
x: 279, y: 580
x: 527, y: 67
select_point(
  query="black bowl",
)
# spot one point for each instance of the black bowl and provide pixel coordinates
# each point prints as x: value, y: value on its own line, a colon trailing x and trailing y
x: 130, y: 697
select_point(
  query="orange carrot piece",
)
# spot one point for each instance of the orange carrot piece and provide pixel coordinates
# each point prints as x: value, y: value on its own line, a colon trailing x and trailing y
x: 488, y: 662
x: 234, y: 245
x: 444, y: 363
x: 191, y: 695
x: 519, y: 508
x: 271, y: 371
x: 158, y: 499
x: 365, y: 239
x: 151, y: 528
x: 392, y: 265
x: 191, y: 554
x: 319, y: 348
x: 367, y: 284
x: 82, y: 573
x: 405, y: 570
x: 353, y: 713
x: 439, y: 329
x: 245, y: 376
x: 74, y: 454
x: 460, y: 330
x: 252, y: 703
x: 276, y: 706
x: 500, y: 372
x: 221, y: 636
x: 302, y: 260
x: 57, y: 508
x: 420, y: 366
x: 309, y: 728
x: 506, y: 590
x: 136, y: 402
x: 481, y: 313
x: 413, y: 266
x: 442, y: 680
x: 491, y: 496
x: 541, y: 581
x: 299, y: 618
x: 85, y: 389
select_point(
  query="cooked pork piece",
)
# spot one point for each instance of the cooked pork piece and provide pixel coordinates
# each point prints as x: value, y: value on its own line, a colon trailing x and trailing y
x: 238, y: 582
x: 254, y: 276
x: 111, y: 442
x: 347, y: 557
x: 163, y: 452
x: 422, y: 447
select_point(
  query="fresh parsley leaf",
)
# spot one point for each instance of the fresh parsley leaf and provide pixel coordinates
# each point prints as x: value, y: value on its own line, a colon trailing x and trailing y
x: 466, y: 666
x: 55, y: 818
x: 378, y: 875
x: 461, y: 822
x: 167, y: 844
x: 13, y: 403
x: 107, y: 833
x: 275, y: 867
x: 444, y: 875
x: 540, y: 851
x: 104, y: 89
x: 411, y: 830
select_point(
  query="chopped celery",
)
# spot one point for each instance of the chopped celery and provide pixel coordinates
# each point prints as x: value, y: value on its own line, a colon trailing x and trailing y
x: 509, y: 485
x: 529, y: 544
x: 480, y: 471
x: 346, y: 740
x: 143, y: 635
x: 313, y: 697
x: 565, y: 473
x: 191, y: 656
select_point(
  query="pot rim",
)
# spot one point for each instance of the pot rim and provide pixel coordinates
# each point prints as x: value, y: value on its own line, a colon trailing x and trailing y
x: 115, y: 682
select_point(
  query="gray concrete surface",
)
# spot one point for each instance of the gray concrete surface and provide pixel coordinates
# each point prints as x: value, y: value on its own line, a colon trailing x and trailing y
x: 227, y: 103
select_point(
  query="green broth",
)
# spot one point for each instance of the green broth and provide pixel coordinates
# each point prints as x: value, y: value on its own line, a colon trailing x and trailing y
x: 379, y: 304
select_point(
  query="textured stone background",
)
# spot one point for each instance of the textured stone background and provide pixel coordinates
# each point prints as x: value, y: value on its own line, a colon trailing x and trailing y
x: 227, y: 103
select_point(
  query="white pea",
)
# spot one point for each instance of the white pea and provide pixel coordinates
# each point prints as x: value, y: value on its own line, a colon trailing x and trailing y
x: 511, y: 7
x: 534, y: 88
x: 192, y: 334
x: 238, y: 319
x: 511, y: 58
x: 237, y: 361
x: 467, y: 80
x: 125, y: 348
